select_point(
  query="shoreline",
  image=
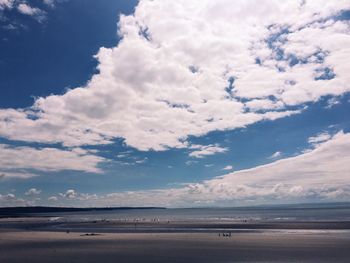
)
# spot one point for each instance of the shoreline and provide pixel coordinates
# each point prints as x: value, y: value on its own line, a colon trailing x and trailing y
x: 130, y: 226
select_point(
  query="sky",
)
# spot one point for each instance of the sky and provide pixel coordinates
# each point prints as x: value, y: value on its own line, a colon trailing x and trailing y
x: 174, y: 103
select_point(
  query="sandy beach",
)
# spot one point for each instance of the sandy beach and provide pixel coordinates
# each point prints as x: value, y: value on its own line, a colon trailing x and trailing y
x: 41, y: 240
x: 172, y: 247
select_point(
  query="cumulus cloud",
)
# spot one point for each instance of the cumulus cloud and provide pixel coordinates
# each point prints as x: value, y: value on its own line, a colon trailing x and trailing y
x: 206, y: 66
x: 52, y: 198
x: 6, y: 4
x: 26, y: 9
x: 11, y: 200
x: 33, y: 192
x: 21, y: 161
x: 205, y: 150
x: 73, y: 196
x: 320, y: 174
x: 69, y: 194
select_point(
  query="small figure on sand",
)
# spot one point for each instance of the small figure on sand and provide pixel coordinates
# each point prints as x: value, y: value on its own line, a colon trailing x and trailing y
x: 228, y: 234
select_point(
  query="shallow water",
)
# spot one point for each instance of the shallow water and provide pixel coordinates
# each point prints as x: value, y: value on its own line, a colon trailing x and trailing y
x: 280, y: 213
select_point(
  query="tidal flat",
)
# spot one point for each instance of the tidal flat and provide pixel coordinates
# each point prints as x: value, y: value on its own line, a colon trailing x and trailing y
x: 49, y: 239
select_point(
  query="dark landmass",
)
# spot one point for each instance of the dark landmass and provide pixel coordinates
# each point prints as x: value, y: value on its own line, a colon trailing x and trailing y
x: 33, y: 210
x: 18, y: 211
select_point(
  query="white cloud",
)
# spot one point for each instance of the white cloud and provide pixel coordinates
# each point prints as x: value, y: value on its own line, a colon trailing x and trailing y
x: 6, y: 4
x: 141, y: 160
x: 33, y: 192
x: 332, y: 102
x: 20, y: 174
x: 318, y: 173
x: 23, y: 7
x: 190, y: 162
x: 12, y: 200
x: 69, y: 194
x: 205, y: 150
x: 72, y: 196
x: 191, y: 73
x: 9, y: 196
x: 276, y: 155
x: 18, y: 161
x: 26, y: 9
x: 227, y: 168
x: 321, y: 174
x: 321, y: 137
x: 53, y: 198
x: 264, y: 104
x: 50, y: 3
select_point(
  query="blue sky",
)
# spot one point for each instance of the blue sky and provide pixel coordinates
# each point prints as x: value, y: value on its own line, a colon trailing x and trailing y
x: 167, y: 105
x: 50, y: 55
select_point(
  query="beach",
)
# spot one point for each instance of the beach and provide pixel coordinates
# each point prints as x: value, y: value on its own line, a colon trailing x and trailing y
x: 45, y: 240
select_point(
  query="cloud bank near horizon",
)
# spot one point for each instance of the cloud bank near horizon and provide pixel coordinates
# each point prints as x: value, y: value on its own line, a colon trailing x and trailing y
x: 320, y: 174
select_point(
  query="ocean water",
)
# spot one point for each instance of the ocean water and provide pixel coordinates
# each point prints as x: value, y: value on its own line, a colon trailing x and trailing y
x: 268, y: 213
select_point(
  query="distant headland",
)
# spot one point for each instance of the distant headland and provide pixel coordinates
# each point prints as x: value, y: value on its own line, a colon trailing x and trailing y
x: 27, y: 210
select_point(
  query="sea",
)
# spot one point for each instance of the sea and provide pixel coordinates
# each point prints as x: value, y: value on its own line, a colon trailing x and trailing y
x: 301, y: 212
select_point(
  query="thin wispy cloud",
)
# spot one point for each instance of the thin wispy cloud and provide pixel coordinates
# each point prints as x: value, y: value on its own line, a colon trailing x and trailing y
x: 201, y: 151
x: 275, y: 155
x: 319, y: 138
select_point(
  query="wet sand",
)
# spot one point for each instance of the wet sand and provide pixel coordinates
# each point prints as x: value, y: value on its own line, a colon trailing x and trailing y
x: 39, y: 240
